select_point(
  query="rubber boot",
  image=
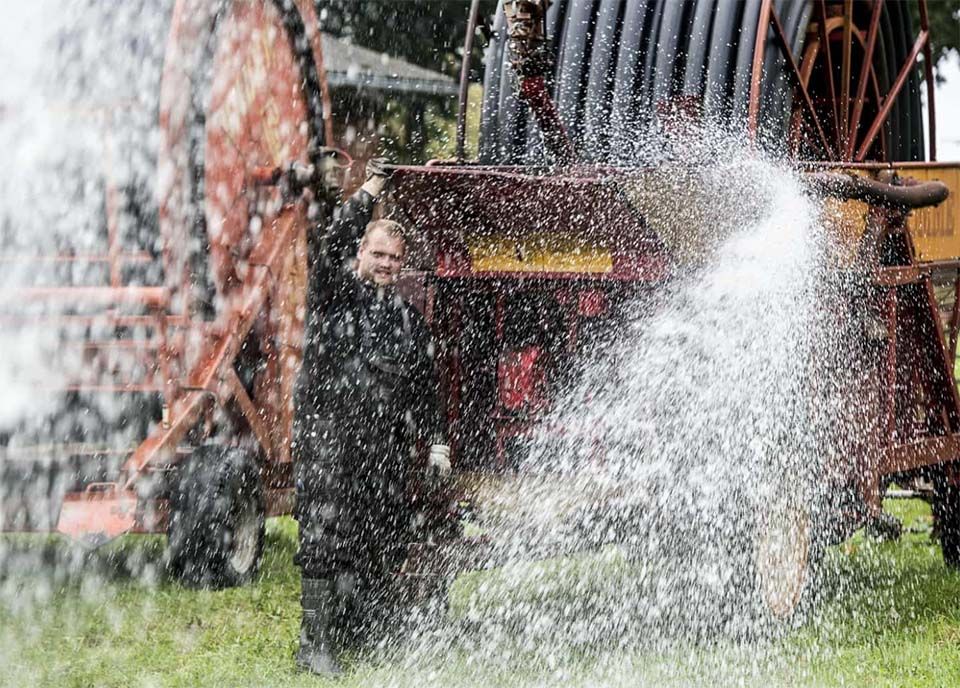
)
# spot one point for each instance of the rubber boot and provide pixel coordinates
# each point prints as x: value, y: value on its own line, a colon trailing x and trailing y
x: 885, y: 527
x: 317, y: 653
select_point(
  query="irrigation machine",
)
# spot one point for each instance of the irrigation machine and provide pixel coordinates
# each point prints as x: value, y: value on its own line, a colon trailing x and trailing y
x: 203, y: 359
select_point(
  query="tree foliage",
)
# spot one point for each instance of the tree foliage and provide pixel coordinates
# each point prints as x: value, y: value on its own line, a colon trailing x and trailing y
x: 944, y: 20
x: 429, y: 33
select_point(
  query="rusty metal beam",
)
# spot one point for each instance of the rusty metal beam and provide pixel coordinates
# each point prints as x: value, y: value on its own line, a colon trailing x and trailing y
x: 898, y: 276
x: 759, y: 51
x: 955, y: 317
x: 535, y: 94
x: 279, y: 501
x: 926, y: 452
x: 203, y: 383
x: 156, y: 298
x: 928, y: 77
x: 945, y: 365
x: 825, y: 47
x: 845, y: 69
x: 94, y: 258
x: 248, y: 410
x: 795, y: 70
x: 891, y: 97
x: 891, y: 372
x: 865, y: 68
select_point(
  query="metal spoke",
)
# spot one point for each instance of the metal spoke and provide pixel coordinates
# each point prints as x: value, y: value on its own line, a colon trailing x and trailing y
x: 759, y: 50
x: 864, y: 72
x: 892, y: 95
x: 878, y: 98
x: 825, y: 47
x: 928, y: 77
x: 845, y: 69
x: 808, y: 103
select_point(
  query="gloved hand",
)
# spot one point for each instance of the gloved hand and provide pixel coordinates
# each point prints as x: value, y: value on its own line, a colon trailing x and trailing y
x: 439, y: 461
x: 376, y: 167
x: 376, y: 176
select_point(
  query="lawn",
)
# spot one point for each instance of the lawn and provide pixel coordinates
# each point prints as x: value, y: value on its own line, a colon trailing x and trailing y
x: 893, y: 619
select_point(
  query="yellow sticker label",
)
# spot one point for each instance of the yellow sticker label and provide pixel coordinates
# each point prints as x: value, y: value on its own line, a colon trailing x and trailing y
x: 539, y: 252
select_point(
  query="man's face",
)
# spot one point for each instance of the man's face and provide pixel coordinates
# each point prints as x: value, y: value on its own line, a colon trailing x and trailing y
x: 380, y: 257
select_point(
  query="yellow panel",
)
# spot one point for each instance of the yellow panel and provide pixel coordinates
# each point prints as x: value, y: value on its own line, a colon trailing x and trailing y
x: 936, y: 235
x: 935, y: 230
x: 537, y: 253
x: 848, y: 221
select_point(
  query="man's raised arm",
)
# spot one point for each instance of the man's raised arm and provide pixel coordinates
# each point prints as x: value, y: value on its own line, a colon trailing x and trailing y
x: 330, y: 256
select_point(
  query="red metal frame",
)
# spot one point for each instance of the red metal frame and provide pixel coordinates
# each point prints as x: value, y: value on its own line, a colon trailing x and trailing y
x: 191, y: 361
x: 453, y: 202
x: 259, y: 275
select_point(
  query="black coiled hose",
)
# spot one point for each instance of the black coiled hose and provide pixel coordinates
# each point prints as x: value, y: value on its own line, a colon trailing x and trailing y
x: 614, y: 60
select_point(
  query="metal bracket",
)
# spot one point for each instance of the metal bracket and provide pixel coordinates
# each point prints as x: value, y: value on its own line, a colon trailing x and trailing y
x: 527, y: 33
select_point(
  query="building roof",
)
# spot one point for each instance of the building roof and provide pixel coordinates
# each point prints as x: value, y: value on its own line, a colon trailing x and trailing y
x: 354, y: 66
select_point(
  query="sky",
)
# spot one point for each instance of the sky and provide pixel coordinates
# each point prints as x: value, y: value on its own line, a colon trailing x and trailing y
x: 948, y: 111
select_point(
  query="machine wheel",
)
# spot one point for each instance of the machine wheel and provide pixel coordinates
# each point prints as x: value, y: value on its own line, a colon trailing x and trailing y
x: 217, y: 519
x: 946, y: 511
x: 781, y: 577
x: 240, y: 91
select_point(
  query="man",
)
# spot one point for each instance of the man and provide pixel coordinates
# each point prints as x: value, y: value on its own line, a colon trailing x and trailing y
x: 366, y: 396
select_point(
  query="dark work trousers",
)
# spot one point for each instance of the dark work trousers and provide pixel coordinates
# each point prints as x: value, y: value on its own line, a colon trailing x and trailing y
x: 353, y: 509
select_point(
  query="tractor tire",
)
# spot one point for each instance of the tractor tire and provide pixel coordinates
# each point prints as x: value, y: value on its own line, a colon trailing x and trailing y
x: 782, y: 575
x: 742, y: 568
x: 946, y: 512
x: 217, y: 519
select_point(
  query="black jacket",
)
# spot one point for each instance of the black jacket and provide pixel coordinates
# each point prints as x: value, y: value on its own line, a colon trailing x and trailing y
x: 368, y: 354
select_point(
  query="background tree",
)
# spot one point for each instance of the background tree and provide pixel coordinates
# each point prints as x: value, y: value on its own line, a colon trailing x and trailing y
x: 428, y: 33
x: 944, y: 18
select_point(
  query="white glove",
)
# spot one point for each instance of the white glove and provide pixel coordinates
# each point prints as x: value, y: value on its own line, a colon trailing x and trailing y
x: 374, y: 186
x: 376, y: 176
x: 439, y: 461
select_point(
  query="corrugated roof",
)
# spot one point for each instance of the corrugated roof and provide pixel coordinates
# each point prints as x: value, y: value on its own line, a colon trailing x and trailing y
x: 353, y: 65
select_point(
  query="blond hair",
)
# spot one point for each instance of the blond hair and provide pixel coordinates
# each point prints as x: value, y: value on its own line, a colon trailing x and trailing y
x: 391, y: 228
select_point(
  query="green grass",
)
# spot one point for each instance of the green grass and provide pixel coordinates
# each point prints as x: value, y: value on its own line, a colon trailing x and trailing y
x: 893, y: 620
x: 896, y: 620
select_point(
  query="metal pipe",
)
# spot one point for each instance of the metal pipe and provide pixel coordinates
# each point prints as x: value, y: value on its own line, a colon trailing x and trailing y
x: 891, y: 97
x: 535, y: 94
x: 864, y: 72
x: 928, y: 77
x: 531, y: 62
x: 847, y: 187
x: 759, y: 52
x: 464, y: 93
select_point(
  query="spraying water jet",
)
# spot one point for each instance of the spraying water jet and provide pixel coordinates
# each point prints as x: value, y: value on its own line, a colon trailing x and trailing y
x: 534, y: 252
